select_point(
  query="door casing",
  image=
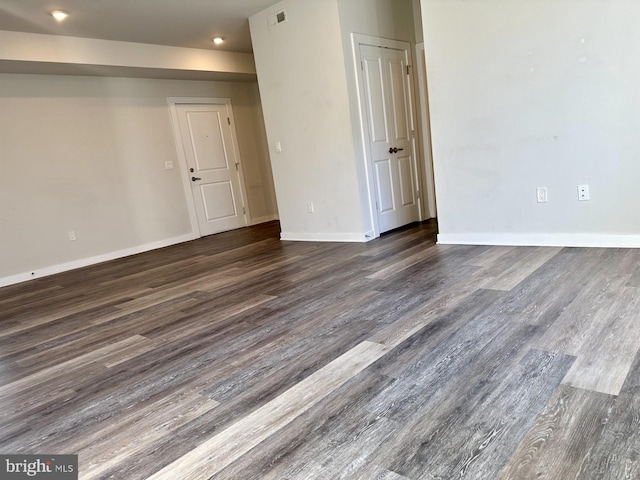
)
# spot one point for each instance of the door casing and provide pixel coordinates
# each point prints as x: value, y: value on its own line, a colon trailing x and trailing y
x: 356, y: 41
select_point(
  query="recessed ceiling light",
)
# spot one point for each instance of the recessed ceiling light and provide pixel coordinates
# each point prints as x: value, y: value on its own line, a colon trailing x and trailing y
x: 218, y: 40
x: 59, y: 15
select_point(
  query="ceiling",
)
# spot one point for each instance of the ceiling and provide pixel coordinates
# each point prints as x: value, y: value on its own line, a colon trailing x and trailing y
x: 180, y: 23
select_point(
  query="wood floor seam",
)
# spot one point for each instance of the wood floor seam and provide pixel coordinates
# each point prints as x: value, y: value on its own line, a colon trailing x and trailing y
x: 239, y: 356
x: 216, y: 453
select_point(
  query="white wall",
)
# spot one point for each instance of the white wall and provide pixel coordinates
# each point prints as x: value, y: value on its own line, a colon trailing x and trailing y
x: 535, y: 93
x: 87, y: 154
x: 307, y: 81
x: 417, y: 20
x: 252, y: 138
x: 301, y: 73
x: 55, y: 52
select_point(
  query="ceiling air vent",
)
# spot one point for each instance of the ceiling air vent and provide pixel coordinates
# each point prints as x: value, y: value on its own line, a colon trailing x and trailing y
x: 277, y: 18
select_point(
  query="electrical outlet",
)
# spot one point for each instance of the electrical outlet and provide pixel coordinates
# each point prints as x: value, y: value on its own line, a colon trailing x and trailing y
x: 72, y: 236
x: 168, y: 165
x: 542, y: 194
x: 310, y: 208
x: 583, y: 193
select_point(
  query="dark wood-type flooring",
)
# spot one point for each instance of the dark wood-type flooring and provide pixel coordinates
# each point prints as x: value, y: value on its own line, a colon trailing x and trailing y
x: 238, y: 356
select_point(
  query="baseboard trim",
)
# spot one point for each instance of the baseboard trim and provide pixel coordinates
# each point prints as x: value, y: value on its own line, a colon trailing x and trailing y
x: 85, y: 262
x: 265, y: 219
x: 324, y: 237
x: 542, y: 240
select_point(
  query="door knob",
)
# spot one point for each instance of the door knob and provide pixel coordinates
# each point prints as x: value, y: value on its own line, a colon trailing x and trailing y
x: 395, y: 150
x: 195, y: 179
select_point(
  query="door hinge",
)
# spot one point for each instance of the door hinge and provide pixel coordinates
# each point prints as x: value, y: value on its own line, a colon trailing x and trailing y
x: 377, y: 207
x: 229, y: 120
x: 244, y: 210
x: 362, y: 65
x: 408, y: 69
x: 237, y: 167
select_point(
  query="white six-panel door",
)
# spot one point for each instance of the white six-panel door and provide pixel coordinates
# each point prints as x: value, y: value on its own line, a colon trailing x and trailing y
x: 213, y: 167
x: 387, y: 102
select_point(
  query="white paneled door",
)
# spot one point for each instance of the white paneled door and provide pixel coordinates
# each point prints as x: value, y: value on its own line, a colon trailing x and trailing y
x: 211, y: 156
x: 387, y: 104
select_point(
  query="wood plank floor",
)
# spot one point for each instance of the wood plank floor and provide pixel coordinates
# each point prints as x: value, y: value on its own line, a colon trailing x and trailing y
x: 238, y: 356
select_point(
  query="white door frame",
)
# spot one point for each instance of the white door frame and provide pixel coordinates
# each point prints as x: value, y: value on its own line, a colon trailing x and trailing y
x: 358, y: 39
x: 182, y: 157
x: 425, y: 133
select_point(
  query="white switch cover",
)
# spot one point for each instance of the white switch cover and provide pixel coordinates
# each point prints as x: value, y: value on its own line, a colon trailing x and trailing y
x: 583, y: 193
x: 310, y: 207
x: 168, y: 165
x: 72, y: 236
x: 278, y: 147
x: 542, y: 194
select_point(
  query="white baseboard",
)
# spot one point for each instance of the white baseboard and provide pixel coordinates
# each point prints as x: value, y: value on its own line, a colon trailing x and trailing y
x: 324, y: 237
x: 542, y: 239
x: 265, y: 219
x: 85, y: 262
